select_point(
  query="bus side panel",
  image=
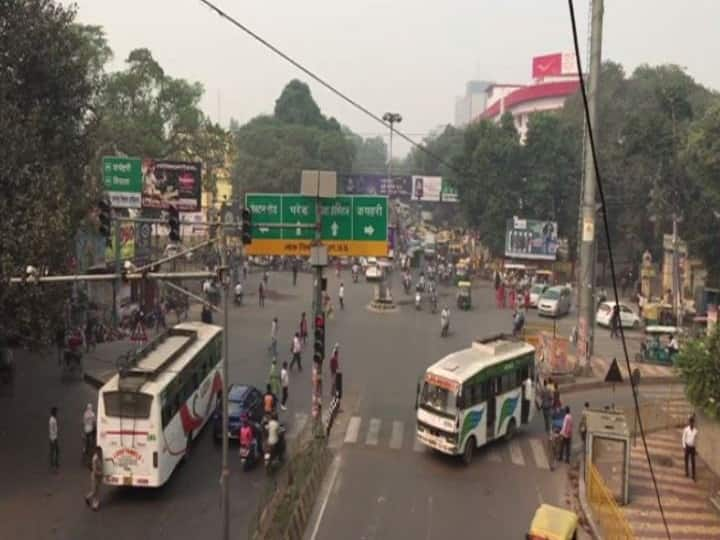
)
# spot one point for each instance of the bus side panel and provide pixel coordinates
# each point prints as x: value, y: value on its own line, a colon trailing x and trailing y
x: 507, y: 406
x: 473, y: 422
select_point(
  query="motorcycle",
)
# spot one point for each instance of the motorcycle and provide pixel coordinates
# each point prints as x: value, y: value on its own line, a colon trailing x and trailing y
x: 248, y: 456
x: 355, y: 275
x: 406, y: 284
x: 275, y: 455
x: 238, y: 299
x: 418, y: 301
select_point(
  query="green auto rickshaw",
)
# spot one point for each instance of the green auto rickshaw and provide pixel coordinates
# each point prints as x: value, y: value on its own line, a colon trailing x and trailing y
x: 464, y: 296
x: 653, y: 350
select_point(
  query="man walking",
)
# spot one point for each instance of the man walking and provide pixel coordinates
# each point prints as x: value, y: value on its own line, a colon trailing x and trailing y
x: 92, y: 499
x: 689, y: 437
x: 582, y: 428
x: 303, y: 328
x: 566, y: 434
x: 54, y: 444
x: 285, y: 382
x: 296, y: 350
x: 272, y: 349
x: 615, y: 321
x: 261, y: 294
x: 341, y: 295
x: 295, y: 272
x: 334, y: 368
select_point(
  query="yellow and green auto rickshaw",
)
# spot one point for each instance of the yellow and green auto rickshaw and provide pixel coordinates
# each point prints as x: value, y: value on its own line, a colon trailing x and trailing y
x: 464, y: 296
x: 653, y: 350
x: 553, y: 523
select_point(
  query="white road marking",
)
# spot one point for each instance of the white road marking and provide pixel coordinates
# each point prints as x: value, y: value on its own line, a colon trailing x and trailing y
x: 335, y: 466
x: 516, y: 455
x: 396, y: 439
x: 353, y: 430
x: 373, y: 434
x: 538, y: 450
x: 298, y: 425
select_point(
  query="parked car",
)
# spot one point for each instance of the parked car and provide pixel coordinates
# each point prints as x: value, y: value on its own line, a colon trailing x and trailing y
x: 628, y: 318
x: 554, y: 302
x: 242, y: 399
x: 373, y: 272
x: 536, y: 292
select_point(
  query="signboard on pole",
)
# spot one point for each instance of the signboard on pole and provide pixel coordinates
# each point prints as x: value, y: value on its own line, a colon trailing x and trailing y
x: 172, y: 183
x: 350, y: 226
x: 122, y: 179
x: 449, y: 193
x: 531, y: 239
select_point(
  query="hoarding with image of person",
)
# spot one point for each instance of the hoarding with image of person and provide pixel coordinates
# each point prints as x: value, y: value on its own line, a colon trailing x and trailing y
x: 531, y: 239
x: 172, y: 183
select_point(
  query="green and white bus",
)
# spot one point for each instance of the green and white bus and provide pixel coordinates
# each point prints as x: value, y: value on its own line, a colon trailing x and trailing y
x: 476, y: 395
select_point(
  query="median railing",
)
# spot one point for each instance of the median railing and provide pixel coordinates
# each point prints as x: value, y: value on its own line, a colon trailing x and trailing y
x: 606, y: 512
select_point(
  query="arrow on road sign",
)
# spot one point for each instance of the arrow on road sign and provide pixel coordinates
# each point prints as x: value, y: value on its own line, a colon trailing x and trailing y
x: 334, y: 228
x: 369, y: 230
x: 298, y: 231
x: 264, y: 229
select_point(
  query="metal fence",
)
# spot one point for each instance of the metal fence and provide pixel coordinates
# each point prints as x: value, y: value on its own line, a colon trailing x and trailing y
x: 606, y: 512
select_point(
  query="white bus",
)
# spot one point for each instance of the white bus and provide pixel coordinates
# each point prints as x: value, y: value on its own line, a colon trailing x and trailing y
x: 149, y: 413
x: 476, y: 395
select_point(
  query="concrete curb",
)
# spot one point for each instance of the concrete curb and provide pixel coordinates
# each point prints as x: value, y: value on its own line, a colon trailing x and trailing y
x: 582, y: 496
x: 594, y: 385
x: 373, y: 309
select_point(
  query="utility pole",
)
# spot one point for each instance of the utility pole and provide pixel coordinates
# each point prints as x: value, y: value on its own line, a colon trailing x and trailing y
x: 391, y: 119
x: 225, y: 473
x: 676, y: 284
x: 116, y: 283
x: 586, y: 285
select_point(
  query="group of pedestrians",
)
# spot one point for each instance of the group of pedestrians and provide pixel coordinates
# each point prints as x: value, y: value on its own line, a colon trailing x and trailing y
x: 558, y: 422
x: 512, y: 292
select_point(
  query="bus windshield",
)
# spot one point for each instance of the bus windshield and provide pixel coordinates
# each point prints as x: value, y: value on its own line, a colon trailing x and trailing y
x: 127, y: 404
x: 439, y: 400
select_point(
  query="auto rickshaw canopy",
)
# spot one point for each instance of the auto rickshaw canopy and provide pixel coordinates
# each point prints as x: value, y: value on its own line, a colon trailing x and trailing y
x: 553, y: 523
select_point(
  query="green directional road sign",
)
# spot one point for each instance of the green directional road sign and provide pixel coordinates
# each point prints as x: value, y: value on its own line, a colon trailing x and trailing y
x: 350, y: 225
x: 122, y: 179
x: 298, y: 210
x: 337, y: 222
x: 370, y: 218
x: 265, y: 209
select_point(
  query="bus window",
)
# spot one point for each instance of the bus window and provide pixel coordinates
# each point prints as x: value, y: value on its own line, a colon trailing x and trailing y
x: 127, y: 405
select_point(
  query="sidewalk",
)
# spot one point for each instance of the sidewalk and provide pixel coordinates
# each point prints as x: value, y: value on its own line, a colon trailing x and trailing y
x: 686, y: 503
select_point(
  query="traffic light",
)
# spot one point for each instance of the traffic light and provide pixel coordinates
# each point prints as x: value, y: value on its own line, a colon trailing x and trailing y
x: 319, y: 343
x: 174, y: 224
x: 105, y: 218
x: 246, y: 226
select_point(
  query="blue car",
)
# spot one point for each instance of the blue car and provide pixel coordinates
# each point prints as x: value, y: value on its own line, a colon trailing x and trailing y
x: 242, y: 400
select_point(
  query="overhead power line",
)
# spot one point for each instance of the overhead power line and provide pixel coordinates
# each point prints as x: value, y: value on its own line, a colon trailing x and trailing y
x: 329, y: 86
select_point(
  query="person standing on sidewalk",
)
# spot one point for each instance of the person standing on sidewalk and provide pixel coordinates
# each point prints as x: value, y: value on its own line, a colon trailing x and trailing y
x: 272, y: 349
x: 689, y: 437
x: 285, y: 382
x: 303, y: 328
x: 566, y: 434
x: 296, y: 350
x: 54, y: 443
x: 334, y: 367
x: 341, y: 295
x: 92, y: 499
x: 582, y: 427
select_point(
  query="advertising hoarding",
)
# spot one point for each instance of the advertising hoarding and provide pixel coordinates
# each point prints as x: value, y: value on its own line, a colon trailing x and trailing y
x: 426, y: 188
x: 553, y: 65
x: 376, y: 184
x: 172, y: 183
x: 531, y: 239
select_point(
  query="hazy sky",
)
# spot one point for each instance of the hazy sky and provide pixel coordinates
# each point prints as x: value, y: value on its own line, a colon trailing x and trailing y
x: 411, y: 57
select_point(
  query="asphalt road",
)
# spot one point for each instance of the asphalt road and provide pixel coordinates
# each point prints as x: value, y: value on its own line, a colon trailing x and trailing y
x: 384, y: 487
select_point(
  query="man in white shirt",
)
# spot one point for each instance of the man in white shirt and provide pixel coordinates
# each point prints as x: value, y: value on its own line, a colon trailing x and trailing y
x: 272, y: 349
x: 689, y: 438
x: 285, y: 383
x: 54, y: 445
x: 341, y: 295
x: 296, y: 350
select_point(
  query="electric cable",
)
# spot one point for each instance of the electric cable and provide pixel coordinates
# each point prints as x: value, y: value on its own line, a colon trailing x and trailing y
x: 332, y: 88
x: 611, y: 258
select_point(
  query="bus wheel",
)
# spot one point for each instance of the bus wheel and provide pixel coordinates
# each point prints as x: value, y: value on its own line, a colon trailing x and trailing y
x: 469, y: 449
x: 511, y: 429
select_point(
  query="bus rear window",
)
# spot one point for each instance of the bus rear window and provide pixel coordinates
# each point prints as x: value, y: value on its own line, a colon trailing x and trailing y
x: 127, y: 405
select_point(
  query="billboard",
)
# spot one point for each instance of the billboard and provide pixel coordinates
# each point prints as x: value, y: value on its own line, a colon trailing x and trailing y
x: 172, y: 183
x: 426, y: 188
x: 376, y: 184
x: 553, y: 65
x: 531, y: 239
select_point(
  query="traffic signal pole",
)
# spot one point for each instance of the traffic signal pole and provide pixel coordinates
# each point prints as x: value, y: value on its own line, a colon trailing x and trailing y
x: 319, y: 316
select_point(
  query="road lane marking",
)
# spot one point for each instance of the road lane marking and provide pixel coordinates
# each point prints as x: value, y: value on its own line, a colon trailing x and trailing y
x: 516, y: 455
x: 373, y: 434
x: 298, y: 425
x: 326, y: 496
x: 353, y: 430
x: 396, y: 439
x: 538, y: 450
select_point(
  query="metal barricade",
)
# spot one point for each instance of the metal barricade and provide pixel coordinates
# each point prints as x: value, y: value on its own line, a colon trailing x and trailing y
x: 605, y: 510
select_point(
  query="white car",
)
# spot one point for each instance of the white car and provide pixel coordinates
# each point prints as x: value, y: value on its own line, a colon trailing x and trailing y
x: 536, y: 292
x: 373, y: 273
x: 628, y: 318
x: 554, y: 302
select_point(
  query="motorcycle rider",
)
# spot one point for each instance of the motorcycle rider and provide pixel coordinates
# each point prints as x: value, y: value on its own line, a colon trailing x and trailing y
x: 355, y: 271
x: 247, y: 437
x: 421, y: 282
x: 518, y: 322
x: 273, y: 436
x: 238, y: 293
x: 444, y: 321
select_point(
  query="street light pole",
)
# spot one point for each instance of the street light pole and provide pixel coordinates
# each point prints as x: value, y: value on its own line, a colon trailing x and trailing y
x: 390, y: 118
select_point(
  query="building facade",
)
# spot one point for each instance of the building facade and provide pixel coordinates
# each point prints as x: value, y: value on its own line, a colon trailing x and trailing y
x: 472, y: 103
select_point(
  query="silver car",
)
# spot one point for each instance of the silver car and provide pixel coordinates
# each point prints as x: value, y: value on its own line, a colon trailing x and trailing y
x: 555, y: 302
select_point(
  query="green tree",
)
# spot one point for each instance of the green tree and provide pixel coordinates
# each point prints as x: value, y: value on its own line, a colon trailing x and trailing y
x: 46, y: 87
x: 699, y: 365
x: 297, y: 106
x: 370, y: 154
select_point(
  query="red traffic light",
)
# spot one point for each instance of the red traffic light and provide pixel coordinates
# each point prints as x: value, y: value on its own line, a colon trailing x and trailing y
x: 319, y: 321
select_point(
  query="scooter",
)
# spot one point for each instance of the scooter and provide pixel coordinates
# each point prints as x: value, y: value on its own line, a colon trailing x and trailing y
x: 274, y: 456
x: 248, y: 456
x: 418, y: 301
x: 238, y: 299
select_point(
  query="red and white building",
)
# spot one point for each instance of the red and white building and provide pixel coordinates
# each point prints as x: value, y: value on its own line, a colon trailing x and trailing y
x: 554, y: 79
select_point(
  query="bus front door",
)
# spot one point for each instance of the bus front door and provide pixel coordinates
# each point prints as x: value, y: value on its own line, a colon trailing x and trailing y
x: 489, y: 393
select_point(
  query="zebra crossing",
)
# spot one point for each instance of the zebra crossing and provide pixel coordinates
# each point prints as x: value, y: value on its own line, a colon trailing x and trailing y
x: 396, y: 435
